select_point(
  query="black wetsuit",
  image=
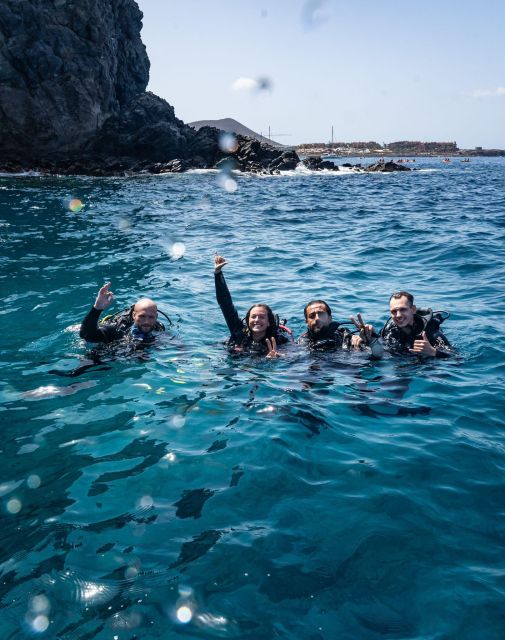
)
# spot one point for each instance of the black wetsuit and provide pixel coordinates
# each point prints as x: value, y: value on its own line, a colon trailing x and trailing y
x: 328, y: 339
x: 120, y: 327
x: 399, y: 341
x: 241, y: 340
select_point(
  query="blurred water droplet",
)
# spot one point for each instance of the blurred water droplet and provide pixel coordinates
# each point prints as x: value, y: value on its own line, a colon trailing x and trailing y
x: 14, y: 506
x: 178, y: 421
x: 312, y: 14
x: 184, y: 614
x: 75, y: 205
x: 40, y: 604
x: 177, y: 250
x: 123, y: 224
x: 228, y: 184
x: 228, y: 143
x: 185, y: 591
x: 131, y: 572
x: 244, y: 84
x: 146, y: 502
x: 262, y: 83
x: 40, y: 623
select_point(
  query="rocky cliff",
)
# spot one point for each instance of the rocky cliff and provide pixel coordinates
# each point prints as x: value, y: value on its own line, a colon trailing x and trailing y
x: 73, y: 75
x: 66, y: 66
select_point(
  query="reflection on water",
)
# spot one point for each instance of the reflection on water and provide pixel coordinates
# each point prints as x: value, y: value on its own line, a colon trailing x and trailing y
x: 179, y: 491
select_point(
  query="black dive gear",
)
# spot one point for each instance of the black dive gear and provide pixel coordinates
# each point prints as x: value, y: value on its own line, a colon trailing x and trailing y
x: 334, y: 336
x: 241, y: 340
x: 399, y: 341
x: 116, y: 326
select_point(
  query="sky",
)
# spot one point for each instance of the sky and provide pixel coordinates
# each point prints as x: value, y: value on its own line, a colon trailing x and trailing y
x: 382, y: 71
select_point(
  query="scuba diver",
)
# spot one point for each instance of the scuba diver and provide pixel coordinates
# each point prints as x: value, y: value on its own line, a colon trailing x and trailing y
x: 413, y: 330
x: 139, y: 323
x: 324, y: 334
x: 136, y: 328
x: 259, y: 333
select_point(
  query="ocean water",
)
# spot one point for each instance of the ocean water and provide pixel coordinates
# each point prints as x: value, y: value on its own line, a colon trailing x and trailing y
x: 180, y: 492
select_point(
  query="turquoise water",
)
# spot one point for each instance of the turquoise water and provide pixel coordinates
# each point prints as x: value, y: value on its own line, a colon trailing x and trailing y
x: 184, y: 493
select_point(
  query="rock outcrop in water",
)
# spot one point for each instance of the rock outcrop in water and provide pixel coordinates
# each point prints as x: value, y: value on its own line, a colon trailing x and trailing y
x: 316, y: 163
x: 73, y: 78
x: 387, y: 167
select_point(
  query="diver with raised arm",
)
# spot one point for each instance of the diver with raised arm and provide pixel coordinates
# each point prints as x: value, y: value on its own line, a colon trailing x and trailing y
x: 259, y: 333
x: 139, y: 322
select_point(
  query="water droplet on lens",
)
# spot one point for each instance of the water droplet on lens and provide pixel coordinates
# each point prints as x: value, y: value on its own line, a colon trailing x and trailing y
x: 33, y: 481
x: 184, y: 614
x: 228, y: 143
x: 146, y: 502
x: 14, y: 506
x: 264, y: 84
x: 40, y: 624
x: 177, y: 250
x: 178, y: 421
x: 123, y: 224
x: 230, y: 185
x: 244, y: 84
x: 131, y: 572
x: 75, y: 205
x: 40, y: 604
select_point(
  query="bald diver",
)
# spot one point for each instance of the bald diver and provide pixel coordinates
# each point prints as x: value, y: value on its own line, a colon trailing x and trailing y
x: 124, y: 333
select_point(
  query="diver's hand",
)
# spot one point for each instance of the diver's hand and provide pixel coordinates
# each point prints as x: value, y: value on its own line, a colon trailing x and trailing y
x: 104, y: 297
x: 365, y: 332
x: 423, y: 347
x: 219, y: 263
x: 272, y: 348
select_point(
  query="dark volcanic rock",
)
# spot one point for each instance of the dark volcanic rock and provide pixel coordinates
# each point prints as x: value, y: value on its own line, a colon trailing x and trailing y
x: 263, y: 158
x: 387, y: 166
x: 316, y: 163
x: 73, y: 75
x: 66, y: 67
x: 145, y: 128
x: 252, y: 153
x: 287, y: 161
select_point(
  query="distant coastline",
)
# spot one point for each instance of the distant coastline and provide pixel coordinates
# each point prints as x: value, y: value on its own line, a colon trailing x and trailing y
x: 393, y: 149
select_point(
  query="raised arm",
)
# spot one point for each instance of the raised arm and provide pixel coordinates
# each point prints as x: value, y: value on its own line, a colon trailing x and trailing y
x: 224, y: 299
x: 90, y: 330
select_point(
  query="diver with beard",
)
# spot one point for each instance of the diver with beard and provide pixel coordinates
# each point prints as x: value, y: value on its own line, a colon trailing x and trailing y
x: 324, y: 334
x: 259, y: 333
x: 139, y: 323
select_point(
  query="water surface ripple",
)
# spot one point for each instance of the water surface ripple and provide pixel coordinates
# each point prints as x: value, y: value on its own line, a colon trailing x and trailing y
x: 184, y: 493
